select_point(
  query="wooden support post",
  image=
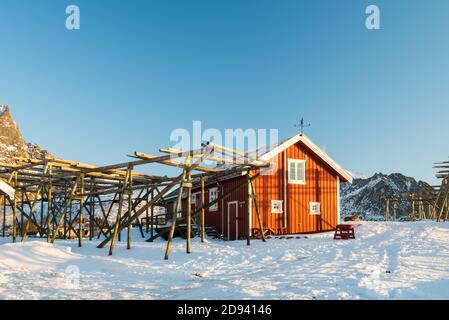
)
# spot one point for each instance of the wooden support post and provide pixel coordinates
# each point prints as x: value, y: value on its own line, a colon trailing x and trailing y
x: 447, y: 210
x: 152, y: 217
x: 395, y: 210
x: 147, y: 213
x: 66, y: 224
x: 259, y: 219
x: 21, y: 213
x: 203, y: 231
x: 41, y: 220
x: 130, y: 205
x: 443, y: 206
x: 14, y: 217
x: 80, y: 218
x: 91, y: 210
x: 70, y: 219
x: 32, y: 211
x: 422, y: 209
x: 248, y: 209
x: 49, y: 211
x: 4, y: 216
x: 14, y: 208
x: 175, y: 213
x: 116, y: 226
x: 66, y: 207
x: 189, y: 210
x: 420, y: 213
x: 387, y: 212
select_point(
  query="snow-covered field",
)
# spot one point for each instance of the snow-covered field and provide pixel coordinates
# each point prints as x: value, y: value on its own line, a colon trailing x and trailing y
x: 386, y: 261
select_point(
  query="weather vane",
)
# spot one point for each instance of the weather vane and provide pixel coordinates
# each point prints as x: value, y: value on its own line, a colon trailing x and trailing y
x: 302, y: 125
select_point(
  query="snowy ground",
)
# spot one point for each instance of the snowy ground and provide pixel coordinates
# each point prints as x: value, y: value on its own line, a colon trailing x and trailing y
x: 387, y: 261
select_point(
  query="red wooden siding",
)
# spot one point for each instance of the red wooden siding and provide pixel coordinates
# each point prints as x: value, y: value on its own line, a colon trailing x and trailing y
x: 320, y: 186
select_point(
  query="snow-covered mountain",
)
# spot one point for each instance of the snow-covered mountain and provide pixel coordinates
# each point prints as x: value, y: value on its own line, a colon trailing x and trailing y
x: 12, y: 143
x: 366, y: 197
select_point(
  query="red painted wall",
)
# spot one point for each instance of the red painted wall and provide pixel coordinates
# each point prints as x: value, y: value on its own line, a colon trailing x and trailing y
x: 321, y: 186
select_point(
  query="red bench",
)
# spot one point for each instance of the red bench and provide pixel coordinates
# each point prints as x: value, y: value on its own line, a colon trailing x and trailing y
x: 344, y: 232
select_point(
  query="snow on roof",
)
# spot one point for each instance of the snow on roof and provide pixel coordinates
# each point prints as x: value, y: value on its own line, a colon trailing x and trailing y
x: 7, y: 189
x: 301, y: 137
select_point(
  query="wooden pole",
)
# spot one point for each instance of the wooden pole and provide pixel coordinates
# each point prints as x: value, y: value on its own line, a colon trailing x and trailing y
x: 91, y: 213
x: 14, y: 217
x: 139, y: 212
x: 32, y: 211
x: 4, y: 216
x: 256, y: 203
x: 202, y: 208
x: 21, y: 213
x: 41, y: 222
x: 130, y: 206
x: 116, y: 226
x: 387, y: 213
x: 152, y: 217
x: 66, y: 224
x: 189, y: 211
x: 67, y: 206
x: 420, y: 213
x: 147, y: 212
x: 248, y: 209
x: 447, y: 210
x: 70, y: 219
x: 395, y: 209
x: 14, y: 211
x: 175, y: 214
x: 80, y: 221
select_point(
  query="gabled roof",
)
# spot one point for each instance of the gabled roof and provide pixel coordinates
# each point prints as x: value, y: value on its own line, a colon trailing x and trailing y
x: 280, y: 147
x: 301, y: 137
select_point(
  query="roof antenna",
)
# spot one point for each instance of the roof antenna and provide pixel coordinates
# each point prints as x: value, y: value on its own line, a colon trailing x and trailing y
x: 302, y: 125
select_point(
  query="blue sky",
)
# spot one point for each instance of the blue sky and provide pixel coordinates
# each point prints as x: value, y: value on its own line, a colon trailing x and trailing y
x: 377, y: 99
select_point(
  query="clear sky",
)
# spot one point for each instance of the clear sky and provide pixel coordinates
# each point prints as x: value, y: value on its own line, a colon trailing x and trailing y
x: 378, y: 100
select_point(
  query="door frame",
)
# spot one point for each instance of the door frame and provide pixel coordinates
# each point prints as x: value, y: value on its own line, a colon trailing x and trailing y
x: 236, y: 219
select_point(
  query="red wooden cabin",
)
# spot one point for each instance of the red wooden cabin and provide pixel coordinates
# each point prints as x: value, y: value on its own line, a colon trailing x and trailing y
x: 300, y: 194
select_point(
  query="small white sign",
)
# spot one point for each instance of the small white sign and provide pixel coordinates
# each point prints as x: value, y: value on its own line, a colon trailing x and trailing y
x: 315, y: 209
x: 7, y: 189
x: 277, y: 206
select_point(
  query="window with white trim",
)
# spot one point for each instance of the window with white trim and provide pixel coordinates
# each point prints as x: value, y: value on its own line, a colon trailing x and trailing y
x: 277, y: 206
x: 213, y: 195
x: 296, y: 171
x: 315, y: 209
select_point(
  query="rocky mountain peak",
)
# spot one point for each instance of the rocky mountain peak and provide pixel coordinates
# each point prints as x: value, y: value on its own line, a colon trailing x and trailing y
x: 3, y: 108
x: 366, y: 197
x: 12, y: 143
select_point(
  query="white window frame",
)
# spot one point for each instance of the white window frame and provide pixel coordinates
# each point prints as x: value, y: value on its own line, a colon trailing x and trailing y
x: 296, y: 180
x: 281, y: 206
x: 313, y: 212
x: 215, y: 206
